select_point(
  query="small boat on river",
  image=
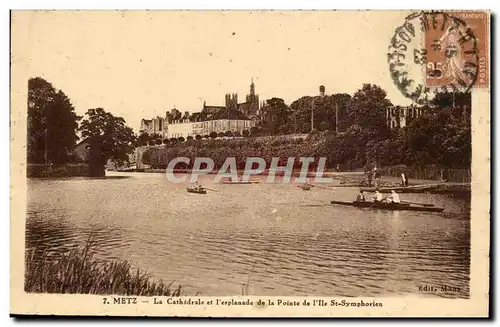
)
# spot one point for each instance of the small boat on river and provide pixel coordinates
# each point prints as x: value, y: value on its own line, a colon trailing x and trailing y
x: 196, y: 190
x: 306, y: 187
x: 239, y: 182
x: 388, y: 206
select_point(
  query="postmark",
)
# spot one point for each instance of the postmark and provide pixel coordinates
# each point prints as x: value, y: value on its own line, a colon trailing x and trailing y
x: 435, y: 52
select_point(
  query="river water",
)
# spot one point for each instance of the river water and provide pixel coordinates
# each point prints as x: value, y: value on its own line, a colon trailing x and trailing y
x: 260, y: 239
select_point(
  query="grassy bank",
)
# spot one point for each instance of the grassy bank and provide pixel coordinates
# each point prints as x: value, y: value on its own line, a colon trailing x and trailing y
x: 77, y: 271
x: 48, y: 171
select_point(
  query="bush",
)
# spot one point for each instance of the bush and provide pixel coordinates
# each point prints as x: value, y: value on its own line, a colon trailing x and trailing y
x: 213, y: 135
x: 198, y: 137
x: 220, y: 134
x: 189, y: 138
x: 246, y: 133
x: 166, y: 141
x: 228, y: 134
x: 76, y: 271
x: 181, y: 139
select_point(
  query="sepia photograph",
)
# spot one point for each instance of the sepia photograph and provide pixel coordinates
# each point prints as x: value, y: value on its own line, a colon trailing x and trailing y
x: 250, y: 163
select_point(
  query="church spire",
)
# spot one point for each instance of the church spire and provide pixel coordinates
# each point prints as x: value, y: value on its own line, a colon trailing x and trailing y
x: 252, y: 88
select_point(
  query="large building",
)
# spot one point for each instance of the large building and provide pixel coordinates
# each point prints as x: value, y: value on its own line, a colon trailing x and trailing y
x: 154, y: 126
x: 399, y: 117
x: 233, y: 116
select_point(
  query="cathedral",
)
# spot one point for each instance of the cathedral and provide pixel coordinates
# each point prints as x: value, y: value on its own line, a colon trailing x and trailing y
x: 249, y: 108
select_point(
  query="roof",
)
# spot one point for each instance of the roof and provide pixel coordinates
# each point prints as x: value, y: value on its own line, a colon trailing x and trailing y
x: 230, y: 114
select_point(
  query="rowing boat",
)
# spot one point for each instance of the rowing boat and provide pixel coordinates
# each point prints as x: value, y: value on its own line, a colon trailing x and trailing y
x: 387, y: 206
x: 404, y: 189
x: 195, y: 190
x: 305, y: 187
x: 239, y: 182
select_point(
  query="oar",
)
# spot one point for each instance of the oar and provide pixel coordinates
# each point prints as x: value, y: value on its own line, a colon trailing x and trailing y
x: 325, y: 188
x: 374, y: 202
x: 420, y: 204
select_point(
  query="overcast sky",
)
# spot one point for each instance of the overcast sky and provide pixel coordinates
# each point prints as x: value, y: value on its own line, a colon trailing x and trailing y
x: 140, y: 64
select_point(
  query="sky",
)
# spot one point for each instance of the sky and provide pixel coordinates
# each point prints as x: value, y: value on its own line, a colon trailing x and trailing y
x: 139, y: 64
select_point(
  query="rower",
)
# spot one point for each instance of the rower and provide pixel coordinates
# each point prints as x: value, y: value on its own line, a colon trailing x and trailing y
x: 393, y: 198
x: 360, y: 197
x: 377, y: 197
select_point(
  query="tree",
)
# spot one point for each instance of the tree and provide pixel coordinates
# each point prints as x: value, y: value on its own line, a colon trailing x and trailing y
x: 237, y: 134
x: 110, y: 134
x: 198, y: 137
x: 143, y: 139
x: 246, y: 133
x: 254, y: 131
x: 181, y: 139
x: 158, y: 142
x: 189, y: 138
x: 276, y: 117
x: 166, y: 141
x: 173, y: 140
x: 52, y: 123
x: 367, y: 108
x: 151, y: 143
x: 208, y: 136
x: 220, y: 134
x: 213, y: 135
x: 324, y: 111
x: 228, y: 134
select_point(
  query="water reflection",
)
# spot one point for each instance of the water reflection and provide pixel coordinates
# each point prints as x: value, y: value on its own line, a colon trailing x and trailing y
x: 277, y: 238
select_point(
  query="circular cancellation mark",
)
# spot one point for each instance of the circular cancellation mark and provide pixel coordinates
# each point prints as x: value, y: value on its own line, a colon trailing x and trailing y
x: 433, y: 52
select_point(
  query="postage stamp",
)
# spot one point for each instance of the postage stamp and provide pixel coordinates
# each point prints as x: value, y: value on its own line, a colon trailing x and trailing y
x: 250, y: 163
x: 434, y: 51
x: 456, y: 49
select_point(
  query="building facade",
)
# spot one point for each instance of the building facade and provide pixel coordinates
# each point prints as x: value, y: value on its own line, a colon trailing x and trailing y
x: 233, y: 116
x: 399, y: 117
x: 154, y: 126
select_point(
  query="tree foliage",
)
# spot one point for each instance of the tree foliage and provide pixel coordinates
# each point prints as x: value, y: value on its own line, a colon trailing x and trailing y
x: 114, y: 138
x: 52, y: 123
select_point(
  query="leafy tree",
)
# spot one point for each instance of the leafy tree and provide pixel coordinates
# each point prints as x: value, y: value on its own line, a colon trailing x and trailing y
x: 237, y: 134
x: 367, y: 108
x: 114, y: 139
x: 189, y: 138
x: 173, y: 140
x: 198, y: 137
x: 213, y: 135
x: 254, y: 131
x: 52, y: 123
x: 151, y: 143
x: 246, y: 133
x: 228, y: 134
x: 143, y: 139
x: 276, y: 117
x: 208, y: 136
x: 220, y: 134
x: 181, y: 139
x: 158, y: 142
x: 166, y: 141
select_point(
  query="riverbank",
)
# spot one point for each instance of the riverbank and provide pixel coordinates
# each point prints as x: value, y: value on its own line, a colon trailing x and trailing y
x: 76, y: 271
x: 50, y: 171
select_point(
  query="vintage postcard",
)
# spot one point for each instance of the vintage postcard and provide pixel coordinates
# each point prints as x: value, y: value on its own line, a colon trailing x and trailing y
x: 250, y: 163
